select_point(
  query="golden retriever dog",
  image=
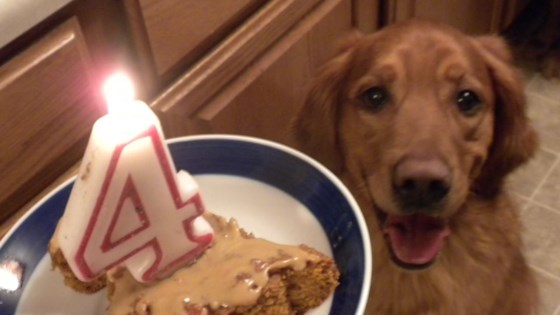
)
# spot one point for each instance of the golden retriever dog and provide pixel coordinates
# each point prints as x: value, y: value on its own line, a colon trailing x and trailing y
x: 423, y: 123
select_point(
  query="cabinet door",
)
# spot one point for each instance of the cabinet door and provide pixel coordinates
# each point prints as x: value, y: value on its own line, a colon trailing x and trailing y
x: 46, y: 111
x: 471, y: 16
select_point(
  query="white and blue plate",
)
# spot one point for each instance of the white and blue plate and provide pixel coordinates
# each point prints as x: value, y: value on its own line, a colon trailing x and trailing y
x: 273, y: 191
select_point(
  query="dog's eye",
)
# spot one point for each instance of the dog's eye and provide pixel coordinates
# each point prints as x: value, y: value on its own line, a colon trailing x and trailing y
x: 468, y: 102
x: 375, y: 98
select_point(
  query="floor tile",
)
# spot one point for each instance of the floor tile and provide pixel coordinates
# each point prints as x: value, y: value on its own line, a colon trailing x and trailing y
x: 545, y: 117
x: 520, y: 201
x: 538, y: 188
x: 549, y: 293
x: 549, y: 193
x: 549, y: 288
x: 546, y: 88
x: 526, y: 179
x: 542, y: 238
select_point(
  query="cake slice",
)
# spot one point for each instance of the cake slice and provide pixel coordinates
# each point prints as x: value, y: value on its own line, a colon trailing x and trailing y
x: 239, y: 274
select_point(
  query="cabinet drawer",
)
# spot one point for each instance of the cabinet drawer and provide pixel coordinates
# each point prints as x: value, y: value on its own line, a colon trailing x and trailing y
x: 169, y: 34
x: 46, y: 111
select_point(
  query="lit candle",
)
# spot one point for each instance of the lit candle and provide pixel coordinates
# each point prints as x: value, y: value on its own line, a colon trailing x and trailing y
x: 129, y: 206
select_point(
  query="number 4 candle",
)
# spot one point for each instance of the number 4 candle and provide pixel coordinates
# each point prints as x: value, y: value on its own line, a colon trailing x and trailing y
x: 129, y: 207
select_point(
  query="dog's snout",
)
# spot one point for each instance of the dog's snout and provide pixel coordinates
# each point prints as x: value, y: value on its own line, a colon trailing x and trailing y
x: 420, y: 183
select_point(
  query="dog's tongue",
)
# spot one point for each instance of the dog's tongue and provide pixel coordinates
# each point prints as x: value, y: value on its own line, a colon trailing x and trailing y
x: 416, y: 239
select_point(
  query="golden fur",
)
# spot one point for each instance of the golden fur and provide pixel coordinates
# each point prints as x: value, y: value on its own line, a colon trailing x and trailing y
x: 481, y: 269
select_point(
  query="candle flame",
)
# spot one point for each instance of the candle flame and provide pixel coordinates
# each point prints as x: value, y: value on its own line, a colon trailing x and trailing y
x: 118, y: 91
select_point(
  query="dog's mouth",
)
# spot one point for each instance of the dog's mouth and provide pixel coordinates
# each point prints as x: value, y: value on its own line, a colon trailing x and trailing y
x: 415, y: 240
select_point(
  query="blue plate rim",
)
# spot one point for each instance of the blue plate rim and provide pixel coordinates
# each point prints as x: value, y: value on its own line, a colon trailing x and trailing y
x: 275, y: 145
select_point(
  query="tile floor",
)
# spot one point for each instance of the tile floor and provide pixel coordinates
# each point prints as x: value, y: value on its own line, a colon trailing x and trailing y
x: 538, y: 187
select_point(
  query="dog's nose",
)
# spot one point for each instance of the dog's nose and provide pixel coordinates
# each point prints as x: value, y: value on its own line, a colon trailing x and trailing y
x: 420, y: 183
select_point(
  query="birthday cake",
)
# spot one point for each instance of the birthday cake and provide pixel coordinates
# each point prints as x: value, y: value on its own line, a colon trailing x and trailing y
x: 238, y: 274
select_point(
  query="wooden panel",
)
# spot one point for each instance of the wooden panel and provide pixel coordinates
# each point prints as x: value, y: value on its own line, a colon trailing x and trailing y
x: 471, y: 16
x: 46, y: 112
x: 263, y: 101
x: 225, y: 62
x: 511, y: 9
x: 177, y: 32
x: 366, y: 15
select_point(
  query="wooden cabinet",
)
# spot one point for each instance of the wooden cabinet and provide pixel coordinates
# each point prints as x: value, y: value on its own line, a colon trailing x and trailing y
x: 47, y: 106
x: 171, y: 34
x: 470, y: 16
x: 253, y: 82
x: 261, y: 102
x: 218, y: 66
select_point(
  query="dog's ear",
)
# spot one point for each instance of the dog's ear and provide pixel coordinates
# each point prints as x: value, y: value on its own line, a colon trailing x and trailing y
x: 316, y: 123
x: 514, y: 140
